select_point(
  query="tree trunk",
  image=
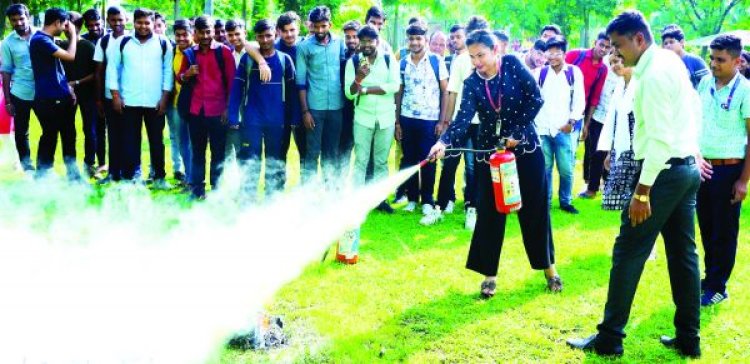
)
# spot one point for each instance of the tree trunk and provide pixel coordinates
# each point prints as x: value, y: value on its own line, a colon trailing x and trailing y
x: 208, y: 7
x: 176, y: 9
x: 244, y: 13
x: 4, y: 4
x: 586, y: 23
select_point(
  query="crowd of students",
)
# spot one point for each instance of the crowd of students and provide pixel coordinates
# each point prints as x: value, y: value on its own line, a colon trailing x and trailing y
x: 648, y: 117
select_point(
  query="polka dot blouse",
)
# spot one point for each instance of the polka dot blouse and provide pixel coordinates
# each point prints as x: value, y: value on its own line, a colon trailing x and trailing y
x: 520, y: 102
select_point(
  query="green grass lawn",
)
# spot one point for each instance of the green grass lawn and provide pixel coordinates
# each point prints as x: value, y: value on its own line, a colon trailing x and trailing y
x: 410, y: 299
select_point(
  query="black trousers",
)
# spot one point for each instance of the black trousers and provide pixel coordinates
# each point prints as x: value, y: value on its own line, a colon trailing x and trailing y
x: 719, y: 221
x: 204, y: 130
x: 21, y: 122
x: 116, y: 136
x: 57, y: 117
x: 94, y: 131
x: 672, y: 215
x: 135, y: 118
x: 534, y: 217
x: 593, y: 160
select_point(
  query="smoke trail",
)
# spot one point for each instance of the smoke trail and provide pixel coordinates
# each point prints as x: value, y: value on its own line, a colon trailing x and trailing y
x: 134, y: 278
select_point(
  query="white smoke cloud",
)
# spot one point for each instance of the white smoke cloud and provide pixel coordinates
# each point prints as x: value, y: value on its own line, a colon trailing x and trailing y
x: 141, y: 279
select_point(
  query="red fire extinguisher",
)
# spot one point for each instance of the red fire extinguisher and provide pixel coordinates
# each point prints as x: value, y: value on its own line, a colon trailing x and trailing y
x: 505, y: 183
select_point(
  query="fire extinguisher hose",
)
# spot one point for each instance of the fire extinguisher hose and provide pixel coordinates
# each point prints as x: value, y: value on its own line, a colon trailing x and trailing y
x: 459, y: 150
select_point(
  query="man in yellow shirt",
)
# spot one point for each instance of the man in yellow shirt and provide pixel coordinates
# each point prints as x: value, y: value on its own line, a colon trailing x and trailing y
x: 178, y: 132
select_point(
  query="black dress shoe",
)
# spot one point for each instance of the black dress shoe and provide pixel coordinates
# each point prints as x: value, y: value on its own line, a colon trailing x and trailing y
x: 598, y: 345
x: 569, y: 209
x: 385, y: 207
x: 691, y: 350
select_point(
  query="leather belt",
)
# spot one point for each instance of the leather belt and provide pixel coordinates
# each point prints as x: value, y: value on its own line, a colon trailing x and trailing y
x: 682, y: 161
x: 725, y: 162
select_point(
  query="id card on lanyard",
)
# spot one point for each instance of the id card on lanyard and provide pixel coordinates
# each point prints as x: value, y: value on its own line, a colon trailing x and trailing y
x: 728, y: 104
x: 499, y: 105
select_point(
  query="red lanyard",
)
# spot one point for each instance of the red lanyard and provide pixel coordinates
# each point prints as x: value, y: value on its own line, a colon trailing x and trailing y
x: 499, y: 104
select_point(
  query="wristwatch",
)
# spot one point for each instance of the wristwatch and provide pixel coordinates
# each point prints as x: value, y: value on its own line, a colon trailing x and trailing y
x: 78, y: 82
x: 642, y: 198
x: 364, y: 91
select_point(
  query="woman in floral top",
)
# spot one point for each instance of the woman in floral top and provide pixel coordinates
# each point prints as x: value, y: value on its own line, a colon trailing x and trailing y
x: 502, y: 89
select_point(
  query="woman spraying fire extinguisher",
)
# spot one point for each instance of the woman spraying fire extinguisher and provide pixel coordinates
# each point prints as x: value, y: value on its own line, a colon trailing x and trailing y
x: 504, y: 95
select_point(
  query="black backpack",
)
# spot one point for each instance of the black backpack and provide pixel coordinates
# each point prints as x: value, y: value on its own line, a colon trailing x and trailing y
x: 162, y: 41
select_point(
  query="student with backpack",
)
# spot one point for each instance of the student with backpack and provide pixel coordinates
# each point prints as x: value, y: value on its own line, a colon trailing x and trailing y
x: 262, y: 106
x: 419, y: 103
x: 594, y: 69
x: 116, y: 19
x: 142, y: 56
x: 371, y: 80
x: 346, y: 144
x: 206, y: 76
x: 561, y: 86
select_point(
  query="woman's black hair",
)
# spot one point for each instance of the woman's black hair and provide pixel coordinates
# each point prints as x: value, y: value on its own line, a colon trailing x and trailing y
x: 483, y: 37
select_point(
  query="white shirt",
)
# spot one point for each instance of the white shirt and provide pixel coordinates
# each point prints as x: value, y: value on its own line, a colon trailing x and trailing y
x: 421, y: 98
x: 461, y: 69
x: 238, y: 56
x: 616, y: 123
x: 558, y: 109
x: 667, y: 112
x: 99, y: 57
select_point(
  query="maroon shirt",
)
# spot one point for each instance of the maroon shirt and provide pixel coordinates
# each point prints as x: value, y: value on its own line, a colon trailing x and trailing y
x: 590, y: 70
x: 209, y: 92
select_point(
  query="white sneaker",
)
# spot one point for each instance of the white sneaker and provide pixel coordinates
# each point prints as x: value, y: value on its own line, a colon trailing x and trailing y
x: 401, y: 200
x: 427, y: 209
x: 449, y: 207
x: 410, y: 207
x: 432, y: 216
x: 471, y: 218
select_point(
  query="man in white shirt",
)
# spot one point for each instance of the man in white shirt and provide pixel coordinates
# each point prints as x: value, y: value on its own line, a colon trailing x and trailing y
x: 460, y: 70
x: 562, y: 89
x: 419, y: 102
x: 142, y: 56
x: 235, y: 30
x: 117, y: 19
x: 667, y: 119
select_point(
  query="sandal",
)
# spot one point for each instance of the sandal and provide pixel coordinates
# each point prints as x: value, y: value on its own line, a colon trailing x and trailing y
x: 488, y: 289
x: 554, y: 284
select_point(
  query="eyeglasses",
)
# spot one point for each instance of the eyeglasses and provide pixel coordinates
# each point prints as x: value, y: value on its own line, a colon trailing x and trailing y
x: 553, y: 54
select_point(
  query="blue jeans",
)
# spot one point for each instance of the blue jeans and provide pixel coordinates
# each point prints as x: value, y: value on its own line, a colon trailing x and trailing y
x: 559, y: 148
x: 418, y: 136
x: 254, y: 138
x: 233, y: 145
x: 323, y: 142
x: 179, y: 139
